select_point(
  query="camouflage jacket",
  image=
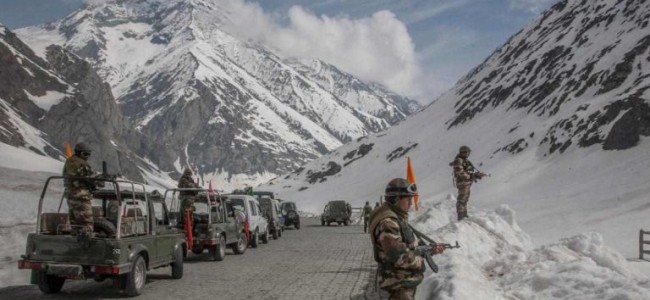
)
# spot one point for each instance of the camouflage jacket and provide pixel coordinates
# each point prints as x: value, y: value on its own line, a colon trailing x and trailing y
x: 76, y: 166
x: 463, y: 171
x: 394, y: 244
x: 185, y: 182
x: 366, y: 211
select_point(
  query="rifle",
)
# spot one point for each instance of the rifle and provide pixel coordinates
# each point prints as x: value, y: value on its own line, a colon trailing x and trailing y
x: 479, y: 175
x: 424, y: 249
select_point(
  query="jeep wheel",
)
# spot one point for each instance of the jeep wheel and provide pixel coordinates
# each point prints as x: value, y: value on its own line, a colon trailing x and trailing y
x: 265, y: 237
x: 197, y: 250
x: 297, y: 226
x: 136, y: 278
x: 276, y: 234
x: 346, y: 223
x: 241, y: 245
x: 218, y: 251
x: 49, y: 284
x: 177, y: 265
x: 255, y: 239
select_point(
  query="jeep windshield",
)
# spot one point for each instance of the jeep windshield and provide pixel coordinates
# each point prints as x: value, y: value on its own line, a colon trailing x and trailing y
x: 338, y: 205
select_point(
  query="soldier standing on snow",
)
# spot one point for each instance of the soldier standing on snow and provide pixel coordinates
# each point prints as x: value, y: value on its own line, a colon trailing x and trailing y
x: 366, y: 215
x: 394, y: 242
x: 464, y: 175
x: 187, y: 197
x: 79, y: 191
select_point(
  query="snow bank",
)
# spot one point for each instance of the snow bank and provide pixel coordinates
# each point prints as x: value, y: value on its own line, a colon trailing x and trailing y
x: 497, y: 260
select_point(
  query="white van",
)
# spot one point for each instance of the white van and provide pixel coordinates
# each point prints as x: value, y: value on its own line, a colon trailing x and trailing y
x: 257, y: 224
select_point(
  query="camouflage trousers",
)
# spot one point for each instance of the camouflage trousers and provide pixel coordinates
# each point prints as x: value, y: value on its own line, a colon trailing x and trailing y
x: 81, y: 210
x: 461, y: 200
x: 186, y: 203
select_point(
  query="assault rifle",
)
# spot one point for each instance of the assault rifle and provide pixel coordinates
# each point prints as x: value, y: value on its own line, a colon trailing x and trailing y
x: 479, y: 175
x: 425, y: 249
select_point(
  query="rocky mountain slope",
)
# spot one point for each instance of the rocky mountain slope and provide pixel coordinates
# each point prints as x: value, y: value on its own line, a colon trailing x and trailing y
x: 559, y: 115
x: 231, y: 109
x: 47, y: 102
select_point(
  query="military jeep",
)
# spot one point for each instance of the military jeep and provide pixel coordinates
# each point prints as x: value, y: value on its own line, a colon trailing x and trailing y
x: 132, y: 234
x: 215, y: 225
x: 337, y: 211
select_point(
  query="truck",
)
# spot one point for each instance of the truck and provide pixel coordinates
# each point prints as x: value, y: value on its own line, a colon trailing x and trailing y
x: 133, y: 234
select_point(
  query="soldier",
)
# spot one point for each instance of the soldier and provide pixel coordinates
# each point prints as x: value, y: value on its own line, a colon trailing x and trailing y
x: 187, y: 197
x: 464, y: 175
x: 366, y: 215
x: 394, y: 242
x: 79, y: 191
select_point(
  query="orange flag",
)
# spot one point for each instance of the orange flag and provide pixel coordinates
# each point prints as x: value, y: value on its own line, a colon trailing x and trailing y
x: 68, y: 150
x: 410, y: 177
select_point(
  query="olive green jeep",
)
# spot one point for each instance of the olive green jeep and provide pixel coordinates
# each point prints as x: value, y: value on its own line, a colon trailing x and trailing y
x: 214, y: 223
x: 132, y: 234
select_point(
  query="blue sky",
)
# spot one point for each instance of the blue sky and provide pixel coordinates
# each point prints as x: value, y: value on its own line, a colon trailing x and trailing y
x: 448, y: 37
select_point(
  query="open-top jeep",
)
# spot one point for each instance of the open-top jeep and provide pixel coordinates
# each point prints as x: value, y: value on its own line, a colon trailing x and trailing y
x: 215, y: 225
x: 132, y: 235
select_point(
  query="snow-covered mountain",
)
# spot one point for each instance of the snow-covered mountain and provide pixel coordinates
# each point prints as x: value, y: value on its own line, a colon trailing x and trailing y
x: 230, y: 108
x: 47, y: 102
x: 559, y: 115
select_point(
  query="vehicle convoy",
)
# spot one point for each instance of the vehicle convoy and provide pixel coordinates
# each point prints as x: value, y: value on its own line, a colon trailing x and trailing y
x: 290, y: 214
x: 132, y: 234
x: 254, y: 221
x: 338, y: 211
x: 270, y: 209
x: 215, y: 226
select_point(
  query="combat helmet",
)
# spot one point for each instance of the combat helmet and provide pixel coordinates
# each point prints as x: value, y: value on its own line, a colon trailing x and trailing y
x: 187, y: 171
x: 82, y: 147
x: 464, y: 149
x: 399, y: 187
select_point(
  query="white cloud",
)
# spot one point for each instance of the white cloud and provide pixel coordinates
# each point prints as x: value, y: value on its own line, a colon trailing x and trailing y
x: 376, y: 48
x: 534, y: 6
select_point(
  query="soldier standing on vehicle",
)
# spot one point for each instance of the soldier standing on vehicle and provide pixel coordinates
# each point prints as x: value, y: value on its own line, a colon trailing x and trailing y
x: 464, y: 175
x: 79, y: 191
x: 187, y: 197
x: 366, y: 215
x: 394, y: 242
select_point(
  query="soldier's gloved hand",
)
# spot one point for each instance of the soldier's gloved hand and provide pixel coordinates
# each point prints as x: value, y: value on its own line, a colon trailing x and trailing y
x: 437, y: 249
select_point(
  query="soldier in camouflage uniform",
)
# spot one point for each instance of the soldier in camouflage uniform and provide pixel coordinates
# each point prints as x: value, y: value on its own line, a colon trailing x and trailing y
x: 366, y: 215
x: 78, y: 191
x: 187, y: 197
x: 394, y: 242
x: 464, y: 175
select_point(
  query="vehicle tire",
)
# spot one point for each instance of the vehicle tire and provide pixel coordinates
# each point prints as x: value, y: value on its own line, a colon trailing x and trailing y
x: 218, y: 251
x: 276, y: 234
x: 177, y: 265
x: 241, y: 245
x: 322, y: 222
x: 101, y: 225
x: 265, y: 237
x: 136, y: 279
x: 346, y: 223
x: 297, y: 226
x: 255, y: 239
x: 49, y: 284
x: 197, y: 250
x: 339, y: 223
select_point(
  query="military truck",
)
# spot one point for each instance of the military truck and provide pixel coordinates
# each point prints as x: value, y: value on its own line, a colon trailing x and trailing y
x: 338, y: 211
x: 133, y: 234
x: 215, y: 225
